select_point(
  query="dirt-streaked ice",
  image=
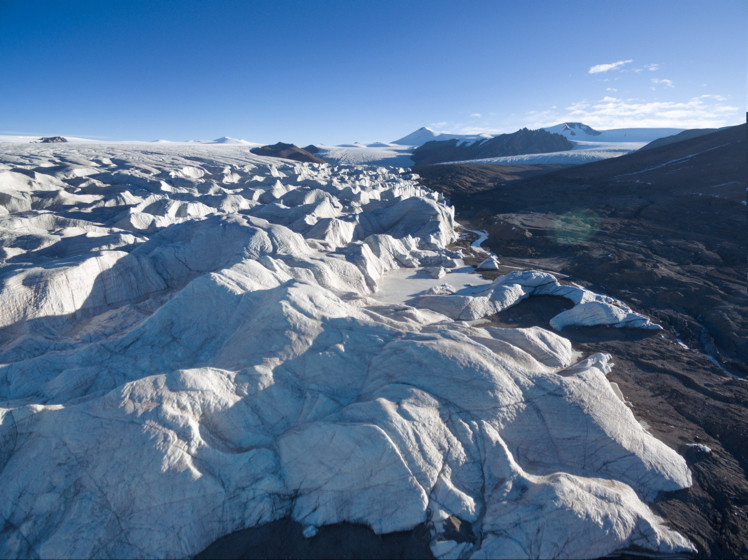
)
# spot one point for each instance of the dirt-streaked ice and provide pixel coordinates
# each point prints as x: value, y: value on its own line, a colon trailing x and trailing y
x: 195, y: 340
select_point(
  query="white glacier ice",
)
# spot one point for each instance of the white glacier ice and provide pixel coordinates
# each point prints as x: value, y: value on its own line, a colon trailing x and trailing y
x: 195, y: 340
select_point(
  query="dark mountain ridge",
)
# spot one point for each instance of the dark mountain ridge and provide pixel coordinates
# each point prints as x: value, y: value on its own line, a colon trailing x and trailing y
x: 287, y: 151
x: 52, y: 140
x: 523, y: 141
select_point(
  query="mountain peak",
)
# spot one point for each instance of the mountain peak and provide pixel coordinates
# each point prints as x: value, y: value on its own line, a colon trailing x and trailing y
x: 426, y: 134
x: 418, y: 138
x: 574, y: 130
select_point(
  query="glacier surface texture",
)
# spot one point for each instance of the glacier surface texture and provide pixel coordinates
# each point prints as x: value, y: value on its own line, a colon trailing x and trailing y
x: 193, y: 342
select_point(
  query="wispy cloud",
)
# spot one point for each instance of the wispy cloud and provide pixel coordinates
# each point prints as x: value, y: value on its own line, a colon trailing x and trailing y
x: 652, y: 67
x: 713, y: 96
x: 611, y: 111
x: 476, y: 115
x: 608, y: 67
x: 706, y: 111
x: 666, y: 83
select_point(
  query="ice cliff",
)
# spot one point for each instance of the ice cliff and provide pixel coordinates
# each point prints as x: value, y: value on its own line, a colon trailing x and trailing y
x: 191, y: 344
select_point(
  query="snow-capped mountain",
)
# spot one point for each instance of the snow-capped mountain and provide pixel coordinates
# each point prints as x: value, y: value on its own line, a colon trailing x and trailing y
x: 424, y: 134
x: 580, y: 132
x: 574, y: 131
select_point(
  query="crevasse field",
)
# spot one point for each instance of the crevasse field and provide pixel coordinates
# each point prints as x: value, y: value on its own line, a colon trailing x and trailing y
x: 195, y: 340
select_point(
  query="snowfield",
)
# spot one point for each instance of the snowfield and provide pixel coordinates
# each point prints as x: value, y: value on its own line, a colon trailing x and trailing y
x: 367, y: 154
x: 195, y: 340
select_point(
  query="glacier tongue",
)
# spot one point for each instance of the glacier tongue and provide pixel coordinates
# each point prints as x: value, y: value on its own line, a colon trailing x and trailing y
x: 191, y: 344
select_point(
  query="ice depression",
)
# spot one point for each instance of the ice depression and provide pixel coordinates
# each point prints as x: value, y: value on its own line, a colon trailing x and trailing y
x: 193, y: 342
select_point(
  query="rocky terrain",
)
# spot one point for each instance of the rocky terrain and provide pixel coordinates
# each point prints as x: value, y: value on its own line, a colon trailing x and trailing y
x: 460, y: 179
x: 664, y: 229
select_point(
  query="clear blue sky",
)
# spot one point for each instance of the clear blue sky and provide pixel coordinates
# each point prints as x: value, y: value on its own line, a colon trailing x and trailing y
x: 343, y: 71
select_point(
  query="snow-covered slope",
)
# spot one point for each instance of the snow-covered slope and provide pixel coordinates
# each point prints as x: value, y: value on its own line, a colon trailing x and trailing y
x: 195, y: 340
x: 424, y: 134
x: 230, y: 140
x: 367, y: 154
x: 582, y: 133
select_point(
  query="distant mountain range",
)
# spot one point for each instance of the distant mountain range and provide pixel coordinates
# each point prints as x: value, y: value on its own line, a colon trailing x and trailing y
x: 574, y: 131
x: 568, y: 143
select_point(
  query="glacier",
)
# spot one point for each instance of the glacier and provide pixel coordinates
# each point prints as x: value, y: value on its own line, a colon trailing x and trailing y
x: 196, y: 340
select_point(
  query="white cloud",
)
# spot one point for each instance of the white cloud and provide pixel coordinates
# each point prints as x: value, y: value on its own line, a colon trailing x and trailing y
x: 607, y: 67
x: 652, y: 67
x: 706, y: 111
x: 664, y: 82
x: 476, y: 115
x: 611, y: 89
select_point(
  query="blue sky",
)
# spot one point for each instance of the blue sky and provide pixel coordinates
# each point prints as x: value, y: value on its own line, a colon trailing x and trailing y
x: 344, y: 71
